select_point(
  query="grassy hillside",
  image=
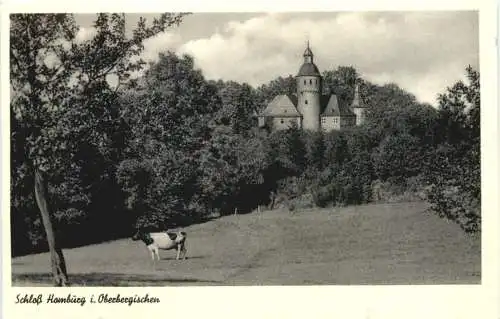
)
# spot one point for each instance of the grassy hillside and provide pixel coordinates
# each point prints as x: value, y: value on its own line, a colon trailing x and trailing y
x: 372, y: 244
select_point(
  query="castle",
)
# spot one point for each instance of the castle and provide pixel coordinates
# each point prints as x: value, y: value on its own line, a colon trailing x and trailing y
x: 309, y: 109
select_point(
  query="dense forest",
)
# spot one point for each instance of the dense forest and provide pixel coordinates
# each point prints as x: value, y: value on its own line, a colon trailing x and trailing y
x: 171, y: 148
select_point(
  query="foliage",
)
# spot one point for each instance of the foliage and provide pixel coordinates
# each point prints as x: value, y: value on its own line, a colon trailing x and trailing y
x: 171, y: 148
x: 267, y: 92
x: 397, y: 158
x: 63, y: 107
x: 239, y: 104
x: 315, y: 150
x: 169, y: 120
x: 454, y: 171
x: 341, y: 82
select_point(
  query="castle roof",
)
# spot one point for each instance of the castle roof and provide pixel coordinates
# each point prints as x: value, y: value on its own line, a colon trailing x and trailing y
x: 334, y: 108
x: 308, y: 69
x: 286, y: 106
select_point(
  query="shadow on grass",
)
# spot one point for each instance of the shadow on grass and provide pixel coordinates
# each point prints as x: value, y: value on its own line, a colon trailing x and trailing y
x: 69, y: 243
x: 187, y: 258
x: 107, y: 280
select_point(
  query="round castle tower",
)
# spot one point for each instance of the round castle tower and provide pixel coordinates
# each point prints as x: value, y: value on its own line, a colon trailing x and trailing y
x: 309, y: 92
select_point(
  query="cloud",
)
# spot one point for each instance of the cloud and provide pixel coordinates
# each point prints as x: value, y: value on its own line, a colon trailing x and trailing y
x: 422, y: 52
x: 160, y: 43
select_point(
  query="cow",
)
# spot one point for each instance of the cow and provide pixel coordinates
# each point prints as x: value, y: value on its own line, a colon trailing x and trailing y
x: 163, y: 240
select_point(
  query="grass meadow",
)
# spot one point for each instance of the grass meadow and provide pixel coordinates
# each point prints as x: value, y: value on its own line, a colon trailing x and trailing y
x: 399, y: 243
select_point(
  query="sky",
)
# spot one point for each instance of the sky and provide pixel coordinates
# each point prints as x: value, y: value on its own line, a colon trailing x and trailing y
x: 422, y: 51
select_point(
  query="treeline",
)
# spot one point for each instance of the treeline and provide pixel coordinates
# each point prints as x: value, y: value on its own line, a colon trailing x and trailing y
x: 172, y: 148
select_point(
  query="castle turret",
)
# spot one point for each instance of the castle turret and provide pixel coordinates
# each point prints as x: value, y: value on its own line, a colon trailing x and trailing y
x: 358, y: 106
x: 309, y: 92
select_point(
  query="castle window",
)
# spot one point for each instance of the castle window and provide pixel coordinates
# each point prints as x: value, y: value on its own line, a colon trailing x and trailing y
x: 323, y: 120
x: 305, y: 102
x: 304, y: 81
x: 310, y: 81
x: 282, y: 121
x: 316, y: 81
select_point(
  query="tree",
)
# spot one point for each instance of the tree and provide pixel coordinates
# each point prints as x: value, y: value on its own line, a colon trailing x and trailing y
x: 295, y: 148
x: 397, y: 158
x: 219, y: 169
x: 390, y: 109
x: 280, y: 85
x: 231, y: 165
x: 315, y: 146
x: 454, y: 168
x: 238, y: 106
x: 170, y: 117
x: 459, y: 110
x: 341, y: 82
x: 336, y: 148
x: 61, y: 93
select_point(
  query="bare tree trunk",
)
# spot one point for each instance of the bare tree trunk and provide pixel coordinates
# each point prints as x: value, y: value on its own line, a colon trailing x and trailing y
x: 56, y: 254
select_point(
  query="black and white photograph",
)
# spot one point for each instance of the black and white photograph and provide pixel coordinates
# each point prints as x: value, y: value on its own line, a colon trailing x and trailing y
x: 236, y: 149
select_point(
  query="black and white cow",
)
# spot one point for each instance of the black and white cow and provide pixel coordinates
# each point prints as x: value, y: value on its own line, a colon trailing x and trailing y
x: 163, y: 240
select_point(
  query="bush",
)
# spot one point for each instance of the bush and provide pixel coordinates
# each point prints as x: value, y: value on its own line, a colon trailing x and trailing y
x: 321, y: 196
x: 397, y: 158
x: 451, y: 203
x: 454, y: 177
x: 412, y: 189
x: 305, y: 201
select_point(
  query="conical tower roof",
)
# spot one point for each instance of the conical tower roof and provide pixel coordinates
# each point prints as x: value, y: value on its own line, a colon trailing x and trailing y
x: 308, y: 51
x: 308, y: 68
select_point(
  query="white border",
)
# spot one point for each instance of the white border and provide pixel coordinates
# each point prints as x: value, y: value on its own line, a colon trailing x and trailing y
x: 284, y: 302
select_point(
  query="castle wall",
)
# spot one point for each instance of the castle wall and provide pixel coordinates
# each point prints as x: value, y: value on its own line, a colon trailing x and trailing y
x: 347, y: 121
x: 308, y: 95
x: 309, y: 84
x: 330, y: 123
x: 283, y: 123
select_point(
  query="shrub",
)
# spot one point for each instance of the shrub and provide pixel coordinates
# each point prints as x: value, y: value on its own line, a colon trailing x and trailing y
x: 452, y: 203
x: 412, y: 189
x: 321, y: 196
